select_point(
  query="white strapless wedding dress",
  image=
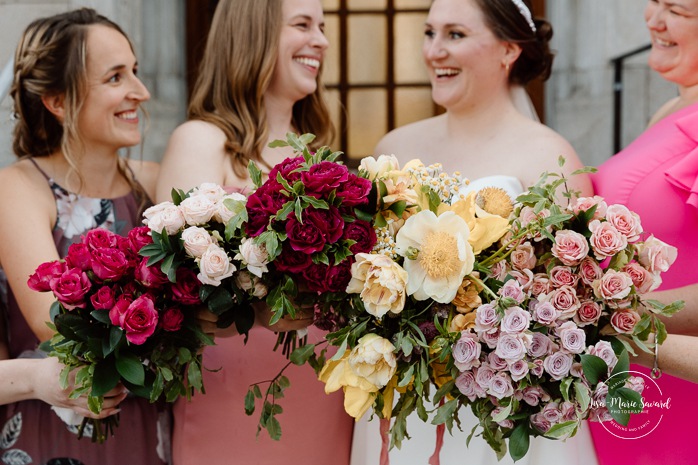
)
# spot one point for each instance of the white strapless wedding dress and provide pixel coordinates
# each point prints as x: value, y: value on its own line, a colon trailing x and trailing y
x: 366, y: 444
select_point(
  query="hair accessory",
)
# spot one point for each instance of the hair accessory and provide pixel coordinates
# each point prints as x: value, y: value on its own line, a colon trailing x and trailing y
x: 525, y: 12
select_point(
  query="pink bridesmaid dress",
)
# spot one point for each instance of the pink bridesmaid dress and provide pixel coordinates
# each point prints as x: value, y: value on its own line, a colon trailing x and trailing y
x: 213, y: 429
x: 657, y: 177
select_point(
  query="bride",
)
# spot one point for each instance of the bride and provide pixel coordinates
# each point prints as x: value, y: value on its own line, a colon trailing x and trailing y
x: 478, y: 54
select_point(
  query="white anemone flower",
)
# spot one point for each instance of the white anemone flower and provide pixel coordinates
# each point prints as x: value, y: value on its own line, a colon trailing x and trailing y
x: 437, y: 254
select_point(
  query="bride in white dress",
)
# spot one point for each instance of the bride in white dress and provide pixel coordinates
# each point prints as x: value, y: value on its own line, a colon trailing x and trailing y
x: 478, y: 53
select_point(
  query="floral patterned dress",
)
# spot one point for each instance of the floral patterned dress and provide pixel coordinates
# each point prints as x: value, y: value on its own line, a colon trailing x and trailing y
x: 30, y: 432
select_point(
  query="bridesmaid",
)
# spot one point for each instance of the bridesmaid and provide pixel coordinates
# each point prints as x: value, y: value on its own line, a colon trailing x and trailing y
x: 259, y: 79
x: 76, y: 102
x: 657, y: 177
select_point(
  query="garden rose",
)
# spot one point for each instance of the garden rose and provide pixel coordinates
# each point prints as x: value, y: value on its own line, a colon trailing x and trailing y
x: 373, y: 359
x: 196, y: 240
x: 377, y: 168
x: 467, y: 385
x: 229, y: 206
x: 150, y: 276
x: 103, y: 299
x: 355, y: 191
x: 624, y: 321
x: 164, y: 216
x: 40, y: 280
x: 185, y: 289
x: 338, y: 276
x: 254, y: 256
x: 139, y: 320
x: 214, y: 266
x: 606, y: 240
x: 79, y: 257
x: 109, y: 264
x: 625, y: 221
x: 323, y: 177
x: 516, y: 320
x: 197, y: 209
x: 572, y: 338
x: 558, y: 365
x: 307, y: 237
x: 613, y: 285
x: 570, y: 247
x: 381, y: 282
x: 362, y: 233
x: 292, y: 262
x: 466, y: 352
x: 656, y: 255
x: 210, y: 190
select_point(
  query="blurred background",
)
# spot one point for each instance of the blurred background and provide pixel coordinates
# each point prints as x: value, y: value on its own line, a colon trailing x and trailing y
x: 600, y: 96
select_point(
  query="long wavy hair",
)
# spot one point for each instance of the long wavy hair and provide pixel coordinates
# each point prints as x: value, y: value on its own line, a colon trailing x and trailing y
x: 51, y: 60
x: 235, y: 72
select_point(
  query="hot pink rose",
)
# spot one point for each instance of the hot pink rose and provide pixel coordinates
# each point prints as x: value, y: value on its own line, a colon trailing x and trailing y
x: 589, y: 313
x: 79, y: 257
x: 40, y: 280
x: 109, y: 264
x: 624, y: 320
x: 563, y: 276
x: 363, y: 233
x: 570, y: 247
x: 523, y: 257
x: 590, y: 270
x: 643, y: 280
x: 656, y: 255
x: 71, y: 287
x: 139, y: 320
x: 172, y: 319
x: 288, y: 169
x: 185, y: 289
x: 613, y: 285
x: 625, y: 221
x: 103, y: 299
x: 150, y: 276
x: 606, y: 240
x: 100, y: 238
x: 119, y: 309
x: 139, y: 237
x: 585, y: 203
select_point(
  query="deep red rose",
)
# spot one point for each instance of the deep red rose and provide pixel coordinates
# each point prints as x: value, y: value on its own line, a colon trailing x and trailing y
x: 103, y: 299
x: 363, y: 233
x: 150, y: 276
x: 79, y: 257
x: 316, y: 277
x: 329, y: 221
x: 287, y: 169
x: 139, y: 320
x: 306, y: 237
x: 263, y: 203
x: 185, y: 289
x: 172, y: 319
x: 109, y: 264
x: 71, y: 287
x: 291, y: 261
x: 119, y: 309
x: 338, y: 276
x: 355, y: 191
x: 100, y: 238
x: 139, y: 237
x: 41, y: 279
x: 324, y: 177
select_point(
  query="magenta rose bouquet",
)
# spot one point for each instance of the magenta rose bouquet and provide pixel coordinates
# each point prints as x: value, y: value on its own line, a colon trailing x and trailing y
x: 119, y: 319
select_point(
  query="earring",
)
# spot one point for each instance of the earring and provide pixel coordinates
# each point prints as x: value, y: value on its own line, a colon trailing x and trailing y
x: 506, y: 67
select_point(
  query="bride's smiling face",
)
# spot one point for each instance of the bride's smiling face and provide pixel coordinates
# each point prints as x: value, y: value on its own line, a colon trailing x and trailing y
x: 464, y: 59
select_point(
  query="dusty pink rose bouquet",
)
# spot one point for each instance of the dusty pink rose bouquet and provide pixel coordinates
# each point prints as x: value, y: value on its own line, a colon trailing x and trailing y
x: 119, y: 319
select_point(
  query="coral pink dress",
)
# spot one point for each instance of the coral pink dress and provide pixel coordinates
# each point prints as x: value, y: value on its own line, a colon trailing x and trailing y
x: 213, y: 429
x: 657, y: 177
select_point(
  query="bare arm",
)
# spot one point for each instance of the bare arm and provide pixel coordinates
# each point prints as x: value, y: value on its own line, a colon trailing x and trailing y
x: 686, y: 320
x: 4, y: 349
x: 676, y: 357
x: 22, y: 379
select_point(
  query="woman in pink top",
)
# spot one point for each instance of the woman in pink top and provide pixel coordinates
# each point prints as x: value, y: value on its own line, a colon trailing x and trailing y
x: 657, y: 177
x: 259, y: 79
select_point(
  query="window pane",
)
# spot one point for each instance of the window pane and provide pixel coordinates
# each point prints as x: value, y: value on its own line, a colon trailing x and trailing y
x: 367, y: 49
x: 409, y: 35
x: 367, y: 121
x: 330, y: 73
x: 335, y: 106
x: 402, y: 4
x: 366, y: 4
x: 412, y: 104
x: 330, y: 4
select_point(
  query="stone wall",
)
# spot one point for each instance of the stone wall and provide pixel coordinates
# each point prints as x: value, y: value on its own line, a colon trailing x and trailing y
x: 156, y: 28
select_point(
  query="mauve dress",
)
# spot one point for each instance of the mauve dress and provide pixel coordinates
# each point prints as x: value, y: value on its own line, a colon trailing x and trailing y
x: 657, y: 177
x: 30, y: 432
x: 213, y: 429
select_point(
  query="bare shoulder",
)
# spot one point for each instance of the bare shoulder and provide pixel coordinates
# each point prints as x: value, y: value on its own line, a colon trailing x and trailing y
x: 146, y: 172
x: 197, y: 138
x: 23, y: 188
x: 411, y: 139
x: 663, y: 111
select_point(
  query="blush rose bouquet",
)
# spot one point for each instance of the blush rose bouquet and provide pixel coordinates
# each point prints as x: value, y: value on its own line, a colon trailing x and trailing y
x: 119, y: 319
x: 521, y: 314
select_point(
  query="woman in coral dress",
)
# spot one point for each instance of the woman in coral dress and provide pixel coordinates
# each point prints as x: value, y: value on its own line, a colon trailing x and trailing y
x: 657, y: 177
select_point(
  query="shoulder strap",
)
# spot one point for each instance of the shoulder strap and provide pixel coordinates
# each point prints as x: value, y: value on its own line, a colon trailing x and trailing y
x: 48, y: 178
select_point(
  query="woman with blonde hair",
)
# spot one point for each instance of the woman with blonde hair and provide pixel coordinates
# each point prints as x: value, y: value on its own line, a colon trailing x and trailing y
x: 76, y: 102
x: 259, y: 79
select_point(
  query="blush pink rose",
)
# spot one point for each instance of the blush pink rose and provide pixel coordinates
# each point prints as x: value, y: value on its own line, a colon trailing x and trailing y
x: 570, y: 247
x: 588, y: 313
x: 545, y: 313
x: 590, y: 270
x: 467, y: 385
x: 604, y: 351
x: 643, y: 280
x: 40, y: 280
x: 512, y: 289
x: 563, y: 276
x: 139, y: 320
x: 614, y: 285
x: 541, y: 345
x: 484, y: 375
x: 518, y: 370
x: 523, y: 257
x: 625, y: 221
x: 540, y: 284
x: 533, y: 395
x: 516, y: 320
x: 606, y: 240
x: 586, y: 203
x: 499, y: 270
x: 486, y: 318
x: 572, y: 338
x: 565, y: 300
x: 656, y: 255
x: 501, y: 386
x: 624, y: 321
x: 558, y: 365
x: 510, y: 347
x: 496, y: 362
x: 524, y: 277
x: 71, y: 287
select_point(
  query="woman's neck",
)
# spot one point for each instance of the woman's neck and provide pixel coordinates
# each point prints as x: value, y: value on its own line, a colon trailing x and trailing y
x: 99, y: 174
x: 687, y: 96
x: 279, y: 116
x: 480, y: 119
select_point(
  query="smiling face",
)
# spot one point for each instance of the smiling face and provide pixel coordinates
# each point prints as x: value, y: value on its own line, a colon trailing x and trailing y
x: 464, y: 59
x: 109, y: 114
x: 302, y: 46
x: 673, y: 27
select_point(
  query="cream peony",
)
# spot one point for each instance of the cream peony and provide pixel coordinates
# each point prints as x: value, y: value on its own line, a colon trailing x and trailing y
x: 438, y: 254
x: 381, y: 283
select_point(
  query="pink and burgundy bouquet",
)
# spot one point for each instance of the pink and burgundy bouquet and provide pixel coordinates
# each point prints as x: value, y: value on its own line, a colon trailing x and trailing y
x: 119, y: 319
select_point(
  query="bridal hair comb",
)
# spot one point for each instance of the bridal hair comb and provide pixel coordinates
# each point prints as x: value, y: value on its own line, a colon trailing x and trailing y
x: 525, y: 12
